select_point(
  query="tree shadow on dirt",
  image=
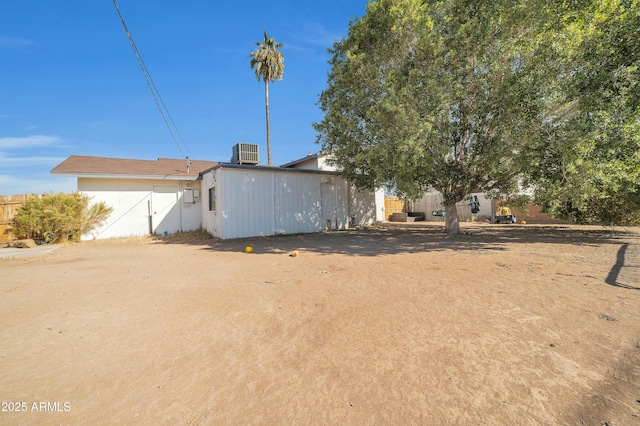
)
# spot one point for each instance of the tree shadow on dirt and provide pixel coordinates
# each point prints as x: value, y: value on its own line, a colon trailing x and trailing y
x: 404, y: 238
x: 625, y: 270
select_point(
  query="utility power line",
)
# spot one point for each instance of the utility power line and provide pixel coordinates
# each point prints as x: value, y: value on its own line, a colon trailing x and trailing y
x: 154, y: 91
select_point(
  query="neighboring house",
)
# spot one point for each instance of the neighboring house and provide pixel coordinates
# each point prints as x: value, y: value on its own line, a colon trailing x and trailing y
x: 146, y: 196
x: 228, y: 200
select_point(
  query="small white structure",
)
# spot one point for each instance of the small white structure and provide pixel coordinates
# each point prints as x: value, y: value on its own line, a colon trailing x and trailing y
x: 147, y: 197
x: 244, y: 201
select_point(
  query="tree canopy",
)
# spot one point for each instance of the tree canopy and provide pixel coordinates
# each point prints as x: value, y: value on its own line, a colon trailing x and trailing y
x: 589, y: 168
x: 463, y: 96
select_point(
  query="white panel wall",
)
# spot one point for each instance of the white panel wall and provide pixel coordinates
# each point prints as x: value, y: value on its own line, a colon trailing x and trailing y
x: 297, y: 207
x: 261, y: 202
x: 208, y: 217
x: 130, y: 200
x: 362, y: 206
x: 365, y: 208
x: 380, y: 215
x: 190, y: 212
x: 246, y: 203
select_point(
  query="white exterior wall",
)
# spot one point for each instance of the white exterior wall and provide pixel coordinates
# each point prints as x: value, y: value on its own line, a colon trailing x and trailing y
x: 365, y: 208
x: 314, y: 163
x: 262, y: 202
x: 322, y: 165
x: 380, y: 213
x: 132, y: 199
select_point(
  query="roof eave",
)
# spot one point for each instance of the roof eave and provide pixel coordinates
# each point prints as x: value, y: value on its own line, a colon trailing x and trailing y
x: 125, y: 176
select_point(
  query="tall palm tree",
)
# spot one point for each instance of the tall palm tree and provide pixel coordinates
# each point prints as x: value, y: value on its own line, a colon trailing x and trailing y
x: 268, y: 62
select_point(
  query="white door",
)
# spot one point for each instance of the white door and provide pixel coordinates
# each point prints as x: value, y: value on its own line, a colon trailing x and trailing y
x: 165, y: 209
x: 329, y: 206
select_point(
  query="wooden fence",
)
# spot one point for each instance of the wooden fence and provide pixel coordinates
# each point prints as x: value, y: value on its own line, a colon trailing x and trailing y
x: 9, y: 205
x: 393, y: 204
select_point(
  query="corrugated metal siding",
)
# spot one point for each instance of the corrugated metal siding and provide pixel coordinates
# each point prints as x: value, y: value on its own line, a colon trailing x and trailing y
x: 362, y: 207
x: 258, y: 202
x: 297, y: 204
x: 343, y: 203
x: 245, y: 203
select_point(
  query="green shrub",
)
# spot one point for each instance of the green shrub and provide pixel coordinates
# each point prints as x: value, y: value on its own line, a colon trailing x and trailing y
x: 59, y: 217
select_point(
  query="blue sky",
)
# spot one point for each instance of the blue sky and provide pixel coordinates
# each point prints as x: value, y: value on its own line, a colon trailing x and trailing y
x: 70, y: 82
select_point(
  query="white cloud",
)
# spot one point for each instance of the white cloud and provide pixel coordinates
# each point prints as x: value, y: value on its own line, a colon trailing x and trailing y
x: 313, y: 36
x: 6, y: 161
x: 29, y: 141
x: 14, y: 42
x: 11, y: 185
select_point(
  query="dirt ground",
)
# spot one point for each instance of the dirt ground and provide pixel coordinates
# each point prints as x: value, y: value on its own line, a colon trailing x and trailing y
x: 401, y: 324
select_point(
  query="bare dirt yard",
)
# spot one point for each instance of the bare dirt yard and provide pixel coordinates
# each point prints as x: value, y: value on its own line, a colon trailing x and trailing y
x: 398, y: 324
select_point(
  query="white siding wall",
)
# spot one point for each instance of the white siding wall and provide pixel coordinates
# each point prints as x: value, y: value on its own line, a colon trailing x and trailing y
x: 131, y: 199
x: 245, y: 204
x: 380, y: 215
x: 362, y: 207
x: 208, y: 217
x: 315, y: 163
x: 261, y: 202
x: 322, y: 165
x: 190, y: 212
x: 365, y: 208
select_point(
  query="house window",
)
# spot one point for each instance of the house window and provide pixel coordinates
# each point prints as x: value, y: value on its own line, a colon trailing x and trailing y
x: 212, y: 199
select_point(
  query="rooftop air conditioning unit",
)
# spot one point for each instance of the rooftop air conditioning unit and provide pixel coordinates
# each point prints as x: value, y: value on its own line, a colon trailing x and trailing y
x: 245, y: 153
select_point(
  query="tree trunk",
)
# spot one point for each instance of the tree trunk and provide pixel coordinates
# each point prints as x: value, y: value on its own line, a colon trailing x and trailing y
x: 266, y: 103
x: 452, y: 223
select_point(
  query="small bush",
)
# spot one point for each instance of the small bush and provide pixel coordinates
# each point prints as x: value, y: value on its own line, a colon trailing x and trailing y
x: 59, y: 217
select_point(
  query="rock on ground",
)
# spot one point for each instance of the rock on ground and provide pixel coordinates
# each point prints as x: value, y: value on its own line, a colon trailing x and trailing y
x: 27, y: 243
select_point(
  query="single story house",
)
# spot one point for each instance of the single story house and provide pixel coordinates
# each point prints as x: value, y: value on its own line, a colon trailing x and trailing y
x: 230, y: 200
x: 147, y: 197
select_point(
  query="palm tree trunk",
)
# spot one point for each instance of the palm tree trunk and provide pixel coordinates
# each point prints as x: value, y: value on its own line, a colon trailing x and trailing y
x: 266, y: 103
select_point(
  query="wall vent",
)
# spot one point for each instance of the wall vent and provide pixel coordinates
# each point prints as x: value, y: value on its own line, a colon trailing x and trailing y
x: 245, y: 153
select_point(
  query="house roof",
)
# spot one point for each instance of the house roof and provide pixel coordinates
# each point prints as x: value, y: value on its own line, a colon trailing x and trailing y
x: 275, y: 169
x: 308, y: 157
x: 162, y: 168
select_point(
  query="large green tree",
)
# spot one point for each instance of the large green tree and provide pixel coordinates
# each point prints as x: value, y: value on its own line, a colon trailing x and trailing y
x: 589, y: 169
x: 461, y: 96
x: 268, y: 63
x: 447, y: 94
